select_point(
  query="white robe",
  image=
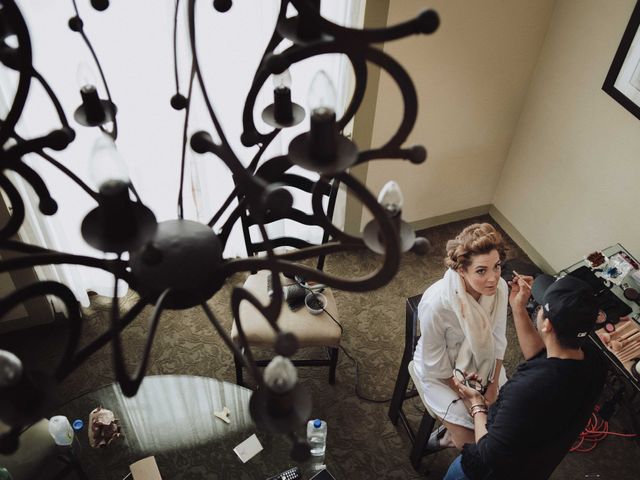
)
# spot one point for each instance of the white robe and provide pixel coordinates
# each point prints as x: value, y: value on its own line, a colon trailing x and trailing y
x: 438, y: 347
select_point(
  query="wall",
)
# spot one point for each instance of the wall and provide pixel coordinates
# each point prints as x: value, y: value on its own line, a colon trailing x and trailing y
x: 472, y: 76
x: 570, y: 183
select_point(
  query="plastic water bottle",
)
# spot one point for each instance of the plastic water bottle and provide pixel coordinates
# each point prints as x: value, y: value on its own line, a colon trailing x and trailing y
x: 61, y: 431
x: 4, y: 474
x: 317, y: 436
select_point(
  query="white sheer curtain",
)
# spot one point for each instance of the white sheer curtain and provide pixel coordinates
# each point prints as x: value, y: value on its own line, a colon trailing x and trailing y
x: 134, y: 43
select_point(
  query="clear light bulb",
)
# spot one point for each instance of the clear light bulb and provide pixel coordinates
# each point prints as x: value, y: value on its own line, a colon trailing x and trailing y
x: 106, y: 164
x: 85, y: 77
x: 10, y: 369
x: 322, y: 94
x: 282, y: 80
x: 280, y: 375
x: 391, y: 198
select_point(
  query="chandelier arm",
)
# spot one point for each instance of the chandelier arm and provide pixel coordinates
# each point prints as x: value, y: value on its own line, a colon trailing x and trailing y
x: 266, y: 141
x: 293, y: 54
x: 175, y: 46
x: 114, y: 131
x: 59, y: 258
x: 426, y: 22
x: 16, y: 20
x: 81, y: 356
x: 48, y: 287
x: 130, y: 384
x: 224, y: 150
x: 391, y: 259
x: 407, y: 90
x: 360, y: 74
x: 52, y: 96
x: 184, y: 136
x: 388, y: 153
x: 239, y: 294
x: 247, y: 360
x: 324, y: 220
x: 225, y: 231
x: 61, y: 167
x: 251, y: 168
x: 46, y: 204
x: 223, y: 208
x: 248, y: 125
x: 16, y: 246
x: 16, y: 216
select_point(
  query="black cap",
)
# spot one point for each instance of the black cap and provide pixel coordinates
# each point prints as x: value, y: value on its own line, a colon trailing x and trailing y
x: 568, y: 302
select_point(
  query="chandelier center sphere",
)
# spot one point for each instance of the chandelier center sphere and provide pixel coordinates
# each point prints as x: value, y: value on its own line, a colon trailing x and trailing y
x: 184, y: 256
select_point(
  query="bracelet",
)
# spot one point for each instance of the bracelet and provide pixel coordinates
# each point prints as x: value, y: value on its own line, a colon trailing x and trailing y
x: 479, y: 410
x: 483, y: 405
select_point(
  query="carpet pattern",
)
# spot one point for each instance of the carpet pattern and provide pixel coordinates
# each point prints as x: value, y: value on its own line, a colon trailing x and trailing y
x: 361, y: 438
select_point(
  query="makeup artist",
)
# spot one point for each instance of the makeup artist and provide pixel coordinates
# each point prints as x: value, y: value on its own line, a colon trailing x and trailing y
x: 543, y: 408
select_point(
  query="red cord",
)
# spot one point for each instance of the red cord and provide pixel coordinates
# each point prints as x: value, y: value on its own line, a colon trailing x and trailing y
x: 595, y: 431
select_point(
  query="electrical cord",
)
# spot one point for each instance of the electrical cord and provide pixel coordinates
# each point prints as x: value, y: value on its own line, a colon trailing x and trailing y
x: 595, y: 431
x: 359, y: 393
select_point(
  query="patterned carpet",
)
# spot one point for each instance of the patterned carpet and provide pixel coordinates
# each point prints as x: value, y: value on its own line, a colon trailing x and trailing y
x: 361, y: 438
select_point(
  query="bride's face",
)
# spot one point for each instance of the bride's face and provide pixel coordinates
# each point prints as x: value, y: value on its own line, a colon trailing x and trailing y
x: 483, y: 275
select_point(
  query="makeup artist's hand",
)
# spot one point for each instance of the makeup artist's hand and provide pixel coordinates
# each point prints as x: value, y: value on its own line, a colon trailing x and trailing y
x: 470, y: 396
x: 520, y: 291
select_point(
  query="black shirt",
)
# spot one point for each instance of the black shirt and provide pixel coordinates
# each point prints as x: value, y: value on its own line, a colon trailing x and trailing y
x: 537, y: 416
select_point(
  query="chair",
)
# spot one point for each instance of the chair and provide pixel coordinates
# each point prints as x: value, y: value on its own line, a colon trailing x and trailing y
x: 39, y: 458
x: 418, y: 440
x: 311, y: 330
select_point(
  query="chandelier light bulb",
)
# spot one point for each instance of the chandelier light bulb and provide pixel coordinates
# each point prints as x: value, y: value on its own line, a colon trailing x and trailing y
x: 107, y: 167
x: 282, y: 80
x: 391, y: 198
x: 10, y: 369
x: 322, y: 95
x: 85, y: 77
x: 280, y: 375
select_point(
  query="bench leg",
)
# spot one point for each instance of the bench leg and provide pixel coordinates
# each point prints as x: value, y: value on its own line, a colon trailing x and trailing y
x: 333, y: 356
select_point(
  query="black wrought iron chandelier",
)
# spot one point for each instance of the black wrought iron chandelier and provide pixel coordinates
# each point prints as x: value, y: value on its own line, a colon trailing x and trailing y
x: 158, y: 252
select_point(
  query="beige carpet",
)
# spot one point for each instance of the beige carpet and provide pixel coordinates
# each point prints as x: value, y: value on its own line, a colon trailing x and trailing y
x: 361, y: 438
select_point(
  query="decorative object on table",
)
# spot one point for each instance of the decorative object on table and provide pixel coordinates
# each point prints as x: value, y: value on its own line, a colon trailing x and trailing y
x: 60, y: 430
x: 249, y: 448
x: 104, y: 427
x: 315, y: 302
x: 595, y: 260
x: 622, y: 82
x: 145, y: 469
x: 178, y: 264
x: 624, y: 342
x: 223, y: 415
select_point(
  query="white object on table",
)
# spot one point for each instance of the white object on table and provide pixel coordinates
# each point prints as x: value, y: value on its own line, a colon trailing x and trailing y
x: 223, y: 415
x: 145, y: 469
x: 248, y: 449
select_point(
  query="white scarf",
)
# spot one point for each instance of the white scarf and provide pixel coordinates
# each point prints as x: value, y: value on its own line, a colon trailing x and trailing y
x: 477, y: 320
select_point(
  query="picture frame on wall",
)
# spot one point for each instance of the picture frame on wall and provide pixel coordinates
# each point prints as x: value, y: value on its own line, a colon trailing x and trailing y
x: 623, y: 79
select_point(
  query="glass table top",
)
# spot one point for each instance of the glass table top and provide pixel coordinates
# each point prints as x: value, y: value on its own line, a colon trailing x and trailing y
x: 172, y: 418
